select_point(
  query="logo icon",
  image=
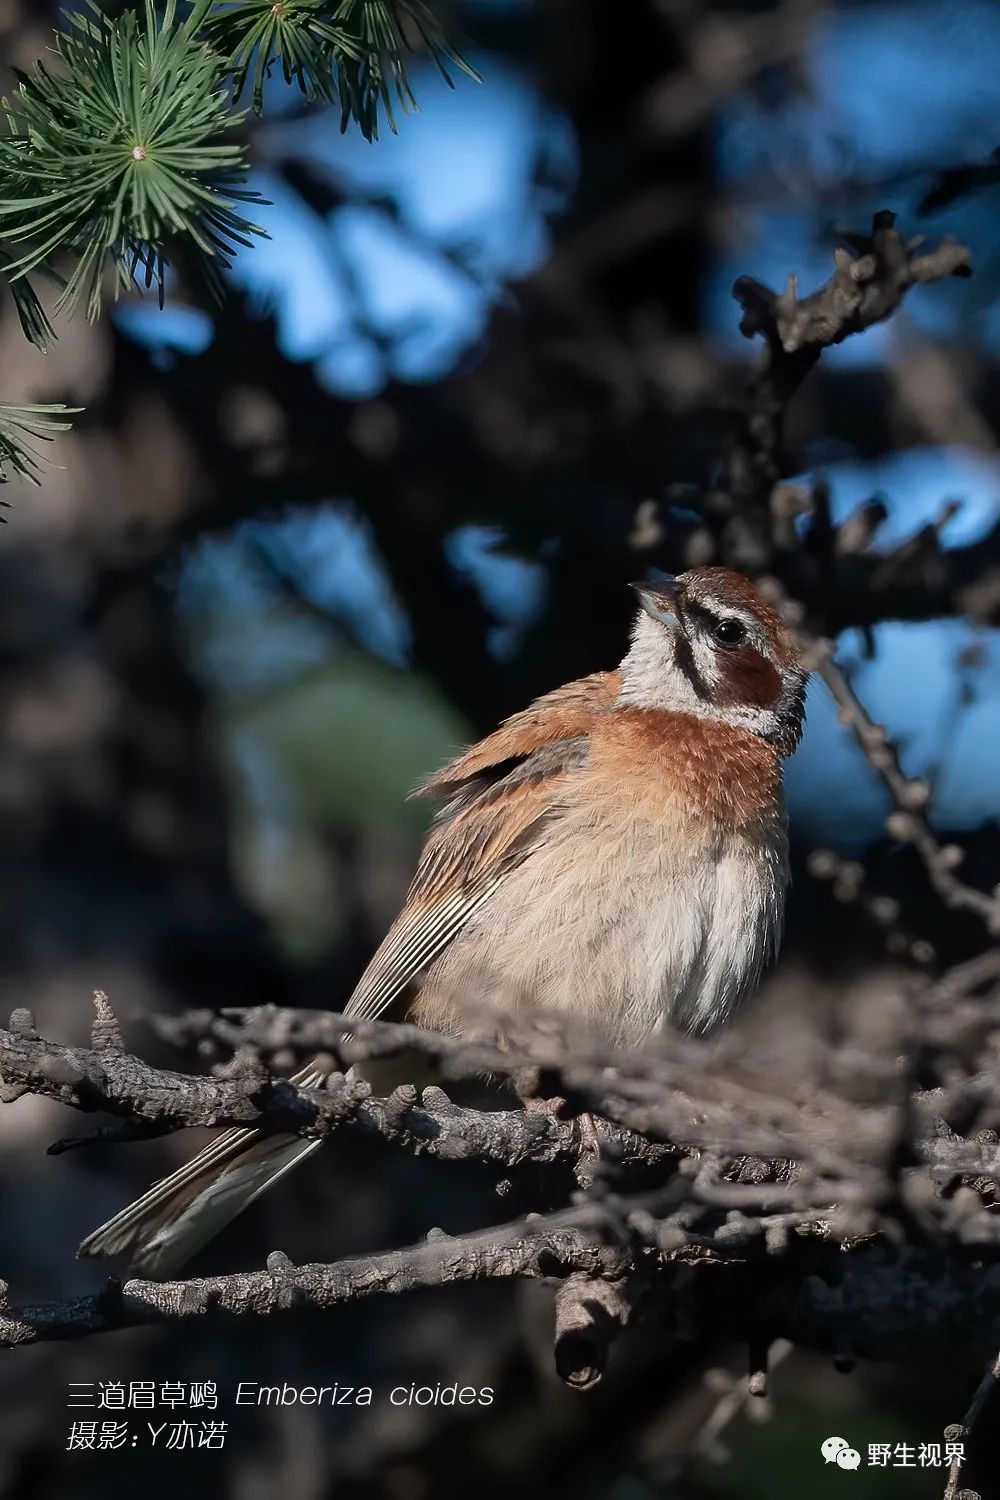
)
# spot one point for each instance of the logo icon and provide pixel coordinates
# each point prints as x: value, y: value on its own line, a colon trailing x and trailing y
x: 837, y: 1450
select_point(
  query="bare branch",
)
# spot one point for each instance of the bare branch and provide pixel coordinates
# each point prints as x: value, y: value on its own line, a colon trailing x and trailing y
x: 909, y: 822
x: 872, y: 273
x: 154, y: 1101
x: 515, y: 1250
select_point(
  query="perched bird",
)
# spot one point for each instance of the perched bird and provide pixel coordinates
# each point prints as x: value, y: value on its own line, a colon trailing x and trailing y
x: 616, y: 853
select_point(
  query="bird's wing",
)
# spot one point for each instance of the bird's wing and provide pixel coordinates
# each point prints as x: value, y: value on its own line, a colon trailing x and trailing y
x: 504, y: 792
x: 469, y: 851
x: 563, y: 714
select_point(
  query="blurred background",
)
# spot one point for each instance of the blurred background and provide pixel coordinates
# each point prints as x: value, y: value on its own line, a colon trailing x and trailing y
x: 302, y: 547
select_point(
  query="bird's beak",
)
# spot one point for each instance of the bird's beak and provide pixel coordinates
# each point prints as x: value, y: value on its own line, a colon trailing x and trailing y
x: 660, y: 599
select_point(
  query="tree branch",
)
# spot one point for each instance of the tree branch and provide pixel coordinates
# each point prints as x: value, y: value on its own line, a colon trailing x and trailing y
x: 872, y: 273
x: 872, y: 1177
x: 155, y: 1101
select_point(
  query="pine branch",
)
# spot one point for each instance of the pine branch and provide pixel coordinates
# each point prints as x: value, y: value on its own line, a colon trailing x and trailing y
x: 118, y: 155
x: 257, y: 35
x: 21, y: 428
x: 351, y: 53
x: 117, y: 152
x: 554, y: 1247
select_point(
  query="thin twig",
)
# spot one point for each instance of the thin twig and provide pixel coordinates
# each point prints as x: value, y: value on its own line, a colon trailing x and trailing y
x: 908, y: 823
x: 959, y: 1432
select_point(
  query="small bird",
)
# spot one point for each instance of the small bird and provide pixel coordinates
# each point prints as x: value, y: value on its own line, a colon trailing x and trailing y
x: 617, y: 854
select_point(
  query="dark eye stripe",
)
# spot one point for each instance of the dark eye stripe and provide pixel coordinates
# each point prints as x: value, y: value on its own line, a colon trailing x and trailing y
x: 707, y: 620
x: 686, y: 662
x: 699, y: 615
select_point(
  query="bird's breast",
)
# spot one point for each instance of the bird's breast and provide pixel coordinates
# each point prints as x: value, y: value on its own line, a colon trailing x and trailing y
x: 700, y: 775
x: 649, y: 897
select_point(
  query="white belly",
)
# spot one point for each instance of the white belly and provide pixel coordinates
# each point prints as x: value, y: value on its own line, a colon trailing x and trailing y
x: 681, y: 938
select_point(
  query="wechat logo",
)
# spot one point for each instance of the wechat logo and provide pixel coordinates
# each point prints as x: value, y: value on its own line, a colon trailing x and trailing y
x: 837, y: 1450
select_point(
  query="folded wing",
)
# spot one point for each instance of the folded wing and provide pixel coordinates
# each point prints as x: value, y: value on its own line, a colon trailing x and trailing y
x: 503, y: 795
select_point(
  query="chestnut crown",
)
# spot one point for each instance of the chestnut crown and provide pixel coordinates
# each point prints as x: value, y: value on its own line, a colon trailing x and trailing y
x: 706, y: 643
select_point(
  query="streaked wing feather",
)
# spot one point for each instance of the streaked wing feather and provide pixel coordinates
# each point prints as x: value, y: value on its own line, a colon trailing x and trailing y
x: 465, y: 859
x: 503, y: 793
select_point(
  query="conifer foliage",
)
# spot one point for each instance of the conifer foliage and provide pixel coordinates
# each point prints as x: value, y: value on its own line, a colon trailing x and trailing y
x: 124, y: 147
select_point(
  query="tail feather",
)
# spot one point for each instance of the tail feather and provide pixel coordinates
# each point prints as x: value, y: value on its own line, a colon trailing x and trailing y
x: 180, y: 1213
x: 120, y: 1231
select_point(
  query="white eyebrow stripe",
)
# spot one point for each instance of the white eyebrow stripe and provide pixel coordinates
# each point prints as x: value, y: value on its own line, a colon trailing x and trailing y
x: 758, y: 637
x: 729, y: 612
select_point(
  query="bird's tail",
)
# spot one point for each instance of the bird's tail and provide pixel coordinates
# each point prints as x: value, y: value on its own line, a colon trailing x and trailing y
x: 179, y: 1214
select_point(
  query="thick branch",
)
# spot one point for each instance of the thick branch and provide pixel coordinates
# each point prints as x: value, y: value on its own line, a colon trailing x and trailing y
x: 874, y: 1305
x: 106, y: 1077
x: 515, y: 1250
x: 859, y: 1176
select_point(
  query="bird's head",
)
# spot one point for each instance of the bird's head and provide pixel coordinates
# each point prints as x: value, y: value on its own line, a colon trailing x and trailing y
x: 706, y: 643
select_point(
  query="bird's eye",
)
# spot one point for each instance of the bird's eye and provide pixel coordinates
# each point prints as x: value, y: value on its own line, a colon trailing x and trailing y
x: 729, y: 632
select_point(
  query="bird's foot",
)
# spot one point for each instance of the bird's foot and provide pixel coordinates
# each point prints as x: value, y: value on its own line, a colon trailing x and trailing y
x: 585, y: 1130
x: 553, y: 1106
x: 584, y: 1125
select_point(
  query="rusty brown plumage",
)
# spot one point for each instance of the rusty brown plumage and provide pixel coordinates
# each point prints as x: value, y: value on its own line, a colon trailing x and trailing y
x: 559, y: 715
x: 615, y: 852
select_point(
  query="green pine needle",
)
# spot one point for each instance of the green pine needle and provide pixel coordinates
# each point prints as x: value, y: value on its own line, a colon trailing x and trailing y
x: 386, y: 31
x: 117, y: 154
x: 31, y: 314
x: 347, y: 52
x: 21, y: 429
x: 253, y: 35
